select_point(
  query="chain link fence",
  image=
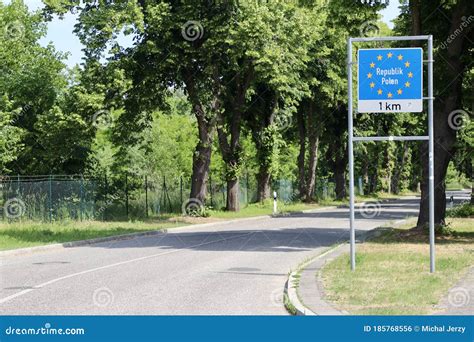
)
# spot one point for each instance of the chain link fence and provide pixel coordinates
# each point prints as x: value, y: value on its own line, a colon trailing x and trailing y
x: 58, y: 198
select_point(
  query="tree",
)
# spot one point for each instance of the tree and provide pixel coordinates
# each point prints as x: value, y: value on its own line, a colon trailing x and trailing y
x: 270, y: 46
x: 322, y: 118
x: 178, y: 45
x: 451, y: 45
x: 35, y: 93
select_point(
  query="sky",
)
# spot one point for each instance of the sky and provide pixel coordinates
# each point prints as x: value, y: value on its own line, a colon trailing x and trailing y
x: 60, y: 32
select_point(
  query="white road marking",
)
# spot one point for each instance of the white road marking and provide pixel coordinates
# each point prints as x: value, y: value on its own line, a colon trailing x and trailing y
x: 21, y: 293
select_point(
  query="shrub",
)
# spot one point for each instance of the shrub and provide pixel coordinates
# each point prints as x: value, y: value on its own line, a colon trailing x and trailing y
x: 463, y: 210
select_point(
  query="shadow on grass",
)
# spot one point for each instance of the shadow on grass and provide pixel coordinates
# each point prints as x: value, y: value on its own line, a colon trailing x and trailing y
x: 396, y: 235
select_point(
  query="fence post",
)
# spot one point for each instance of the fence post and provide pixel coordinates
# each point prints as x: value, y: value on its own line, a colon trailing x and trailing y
x: 210, y: 190
x: 126, y: 194
x: 247, y: 192
x: 181, y: 188
x: 361, y: 187
x: 224, y: 192
x: 50, y: 199
x: 104, y: 212
x: 146, y: 196
x: 81, y: 203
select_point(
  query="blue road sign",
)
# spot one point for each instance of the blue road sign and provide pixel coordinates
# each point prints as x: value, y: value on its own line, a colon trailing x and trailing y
x: 390, y: 80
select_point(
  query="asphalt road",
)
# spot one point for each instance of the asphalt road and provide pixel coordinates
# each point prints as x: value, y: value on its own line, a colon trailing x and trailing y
x: 223, y: 268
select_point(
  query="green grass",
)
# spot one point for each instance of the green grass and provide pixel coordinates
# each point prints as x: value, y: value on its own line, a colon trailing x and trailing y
x: 392, y: 274
x: 29, y: 234
x: 453, y: 186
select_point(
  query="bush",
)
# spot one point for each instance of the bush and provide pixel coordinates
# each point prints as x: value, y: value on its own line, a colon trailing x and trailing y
x: 463, y: 210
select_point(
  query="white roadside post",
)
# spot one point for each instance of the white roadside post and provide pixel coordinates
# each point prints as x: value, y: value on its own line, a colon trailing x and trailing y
x: 275, y: 209
x: 412, y: 104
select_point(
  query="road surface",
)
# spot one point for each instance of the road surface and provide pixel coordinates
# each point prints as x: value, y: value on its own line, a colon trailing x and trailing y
x: 226, y: 268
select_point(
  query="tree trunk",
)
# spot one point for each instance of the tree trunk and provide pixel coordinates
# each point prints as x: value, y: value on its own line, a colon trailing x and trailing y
x: 313, y: 154
x: 472, y: 193
x: 313, y: 162
x: 395, y: 186
x: 414, y: 6
x: 301, y: 155
x: 340, y: 181
x: 206, y: 128
x: 201, y: 162
x: 444, y: 135
x: 263, y: 184
x: 233, y: 195
x: 442, y: 158
x: 230, y: 148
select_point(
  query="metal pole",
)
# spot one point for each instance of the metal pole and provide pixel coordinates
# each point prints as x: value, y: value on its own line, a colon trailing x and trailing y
x: 126, y: 194
x: 50, y: 200
x: 431, y: 153
x: 146, y: 196
x: 181, y: 188
x: 81, y: 192
x: 104, y: 214
x: 351, y: 152
x: 247, y: 192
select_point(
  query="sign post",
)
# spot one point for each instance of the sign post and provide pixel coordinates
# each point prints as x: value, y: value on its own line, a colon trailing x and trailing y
x: 390, y: 80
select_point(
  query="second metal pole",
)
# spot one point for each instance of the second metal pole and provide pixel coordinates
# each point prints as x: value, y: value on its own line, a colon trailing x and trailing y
x: 351, y: 152
x: 431, y: 153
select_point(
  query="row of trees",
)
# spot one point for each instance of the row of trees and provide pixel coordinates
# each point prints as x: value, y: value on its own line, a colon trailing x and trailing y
x: 264, y: 81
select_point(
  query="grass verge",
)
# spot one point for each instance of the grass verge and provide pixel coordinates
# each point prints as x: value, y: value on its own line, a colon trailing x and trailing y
x: 29, y: 234
x: 392, y: 275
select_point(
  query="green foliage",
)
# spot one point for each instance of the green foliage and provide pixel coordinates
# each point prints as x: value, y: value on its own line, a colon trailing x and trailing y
x: 463, y: 210
x: 10, y: 137
x: 46, y: 124
x: 241, y: 71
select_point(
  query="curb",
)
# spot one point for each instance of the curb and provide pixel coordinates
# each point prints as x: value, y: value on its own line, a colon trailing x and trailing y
x: 79, y: 243
x: 292, y: 283
x: 293, y: 300
x: 294, y: 278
